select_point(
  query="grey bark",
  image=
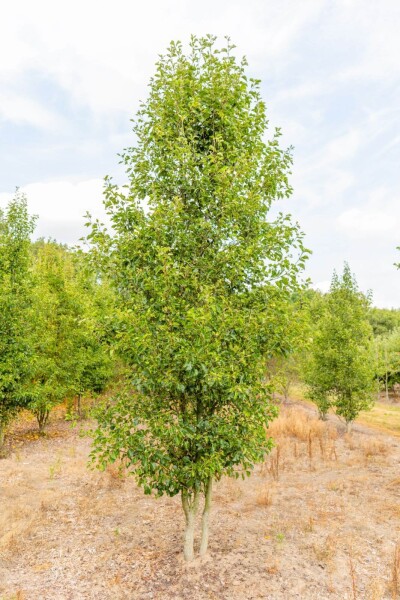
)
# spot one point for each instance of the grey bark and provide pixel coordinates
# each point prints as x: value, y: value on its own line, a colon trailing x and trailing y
x: 190, y: 505
x: 349, y: 426
x: 206, y: 517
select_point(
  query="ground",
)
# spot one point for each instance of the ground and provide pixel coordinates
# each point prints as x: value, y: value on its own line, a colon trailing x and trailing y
x: 319, y: 520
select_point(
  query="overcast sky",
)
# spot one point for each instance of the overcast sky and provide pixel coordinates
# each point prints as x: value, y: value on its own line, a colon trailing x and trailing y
x: 72, y: 74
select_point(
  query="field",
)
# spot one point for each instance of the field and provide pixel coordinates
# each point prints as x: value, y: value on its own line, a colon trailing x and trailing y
x: 319, y: 520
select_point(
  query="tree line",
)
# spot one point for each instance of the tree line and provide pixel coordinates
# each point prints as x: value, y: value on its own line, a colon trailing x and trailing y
x: 55, y: 322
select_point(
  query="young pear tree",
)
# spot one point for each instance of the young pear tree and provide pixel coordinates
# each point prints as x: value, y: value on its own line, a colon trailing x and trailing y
x: 69, y: 357
x: 16, y: 227
x: 341, y: 364
x: 92, y: 366
x: 56, y: 314
x: 387, y: 351
x: 203, y: 280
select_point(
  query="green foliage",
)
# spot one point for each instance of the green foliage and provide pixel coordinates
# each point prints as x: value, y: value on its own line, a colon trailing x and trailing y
x: 69, y: 357
x: 203, y: 279
x: 340, y: 367
x: 54, y: 319
x: 387, y: 348
x: 384, y: 320
x: 285, y: 369
x: 16, y: 226
x: 93, y: 365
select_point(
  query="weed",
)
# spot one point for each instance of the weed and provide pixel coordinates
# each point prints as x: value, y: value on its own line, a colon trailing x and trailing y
x: 55, y: 468
x: 280, y: 538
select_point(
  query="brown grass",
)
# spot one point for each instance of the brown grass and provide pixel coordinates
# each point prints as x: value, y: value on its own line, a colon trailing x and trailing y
x: 286, y: 529
x: 298, y: 424
x: 375, y: 447
x: 265, y: 495
x: 395, y: 580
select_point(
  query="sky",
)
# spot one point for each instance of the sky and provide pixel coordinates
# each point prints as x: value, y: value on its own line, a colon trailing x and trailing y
x: 72, y: 75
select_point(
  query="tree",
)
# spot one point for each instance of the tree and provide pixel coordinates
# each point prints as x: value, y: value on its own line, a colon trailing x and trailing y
x: 92, y: 364
x: 53, y: 328
x: 203, y: 280
x: 16, y: 226
x: 341, y: 369
x: 70, y: 356
x: 387, y: 350
x: 384, y: 320
x: 285, y: 370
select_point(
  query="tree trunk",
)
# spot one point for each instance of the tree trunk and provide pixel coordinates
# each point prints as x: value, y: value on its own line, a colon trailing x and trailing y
x: 206, y: 517
x: 190, y: 506
x: 386, y: 378
x: 322, y: 416
x: 42, y: 417
x: 2, y: 434
x: 349, y: 425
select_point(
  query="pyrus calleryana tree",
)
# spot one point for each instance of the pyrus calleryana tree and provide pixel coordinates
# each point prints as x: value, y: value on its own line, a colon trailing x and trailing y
x: 203, y: 279
x: 341, y: 362
x: 16, y: 227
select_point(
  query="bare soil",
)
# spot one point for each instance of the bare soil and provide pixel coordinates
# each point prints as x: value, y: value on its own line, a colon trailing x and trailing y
x: 319, y: 520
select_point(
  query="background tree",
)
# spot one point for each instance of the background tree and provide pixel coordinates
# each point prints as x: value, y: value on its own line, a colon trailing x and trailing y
x: 16, y: 226
x: 203, y: 280
x: 54, y: 320
x: 92, y: 364
x: 341, y: 363
x: 285, y: 370
x: 384, y: 320
x: 68, y: 333
x: 387, y: 349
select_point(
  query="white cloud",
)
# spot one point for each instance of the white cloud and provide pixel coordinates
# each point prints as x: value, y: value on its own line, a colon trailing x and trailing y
x: 14, y: 107
x: 61, y: 206
x: 322, y: 286
x: 378, y: 216
x: 103, y: 53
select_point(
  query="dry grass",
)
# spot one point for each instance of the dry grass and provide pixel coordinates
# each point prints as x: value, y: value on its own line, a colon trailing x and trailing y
x: 375, y: 447
x: 265, y: 495
x: 69, y: 532
x: 299, y: 435
x: 395, y: 580
x: 298, y: 424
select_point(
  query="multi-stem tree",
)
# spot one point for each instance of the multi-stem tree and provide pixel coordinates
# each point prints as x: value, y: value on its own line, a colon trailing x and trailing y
x: 203, y: 280
x: 16, y: 226
x: 340, y: 369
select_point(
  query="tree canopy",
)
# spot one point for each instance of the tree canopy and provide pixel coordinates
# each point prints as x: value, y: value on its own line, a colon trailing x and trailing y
x: 340, y: 368
x: 203, y: 278
x: 16, y: 227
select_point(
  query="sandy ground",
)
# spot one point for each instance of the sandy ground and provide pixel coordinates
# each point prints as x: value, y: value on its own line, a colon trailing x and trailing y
x: 319, y: 520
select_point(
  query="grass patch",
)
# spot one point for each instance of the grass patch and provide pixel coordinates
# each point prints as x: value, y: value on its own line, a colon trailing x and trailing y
x: 383, y: 417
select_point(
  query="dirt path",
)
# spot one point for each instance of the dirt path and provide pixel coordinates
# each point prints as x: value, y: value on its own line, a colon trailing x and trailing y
x: 320, y: 520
